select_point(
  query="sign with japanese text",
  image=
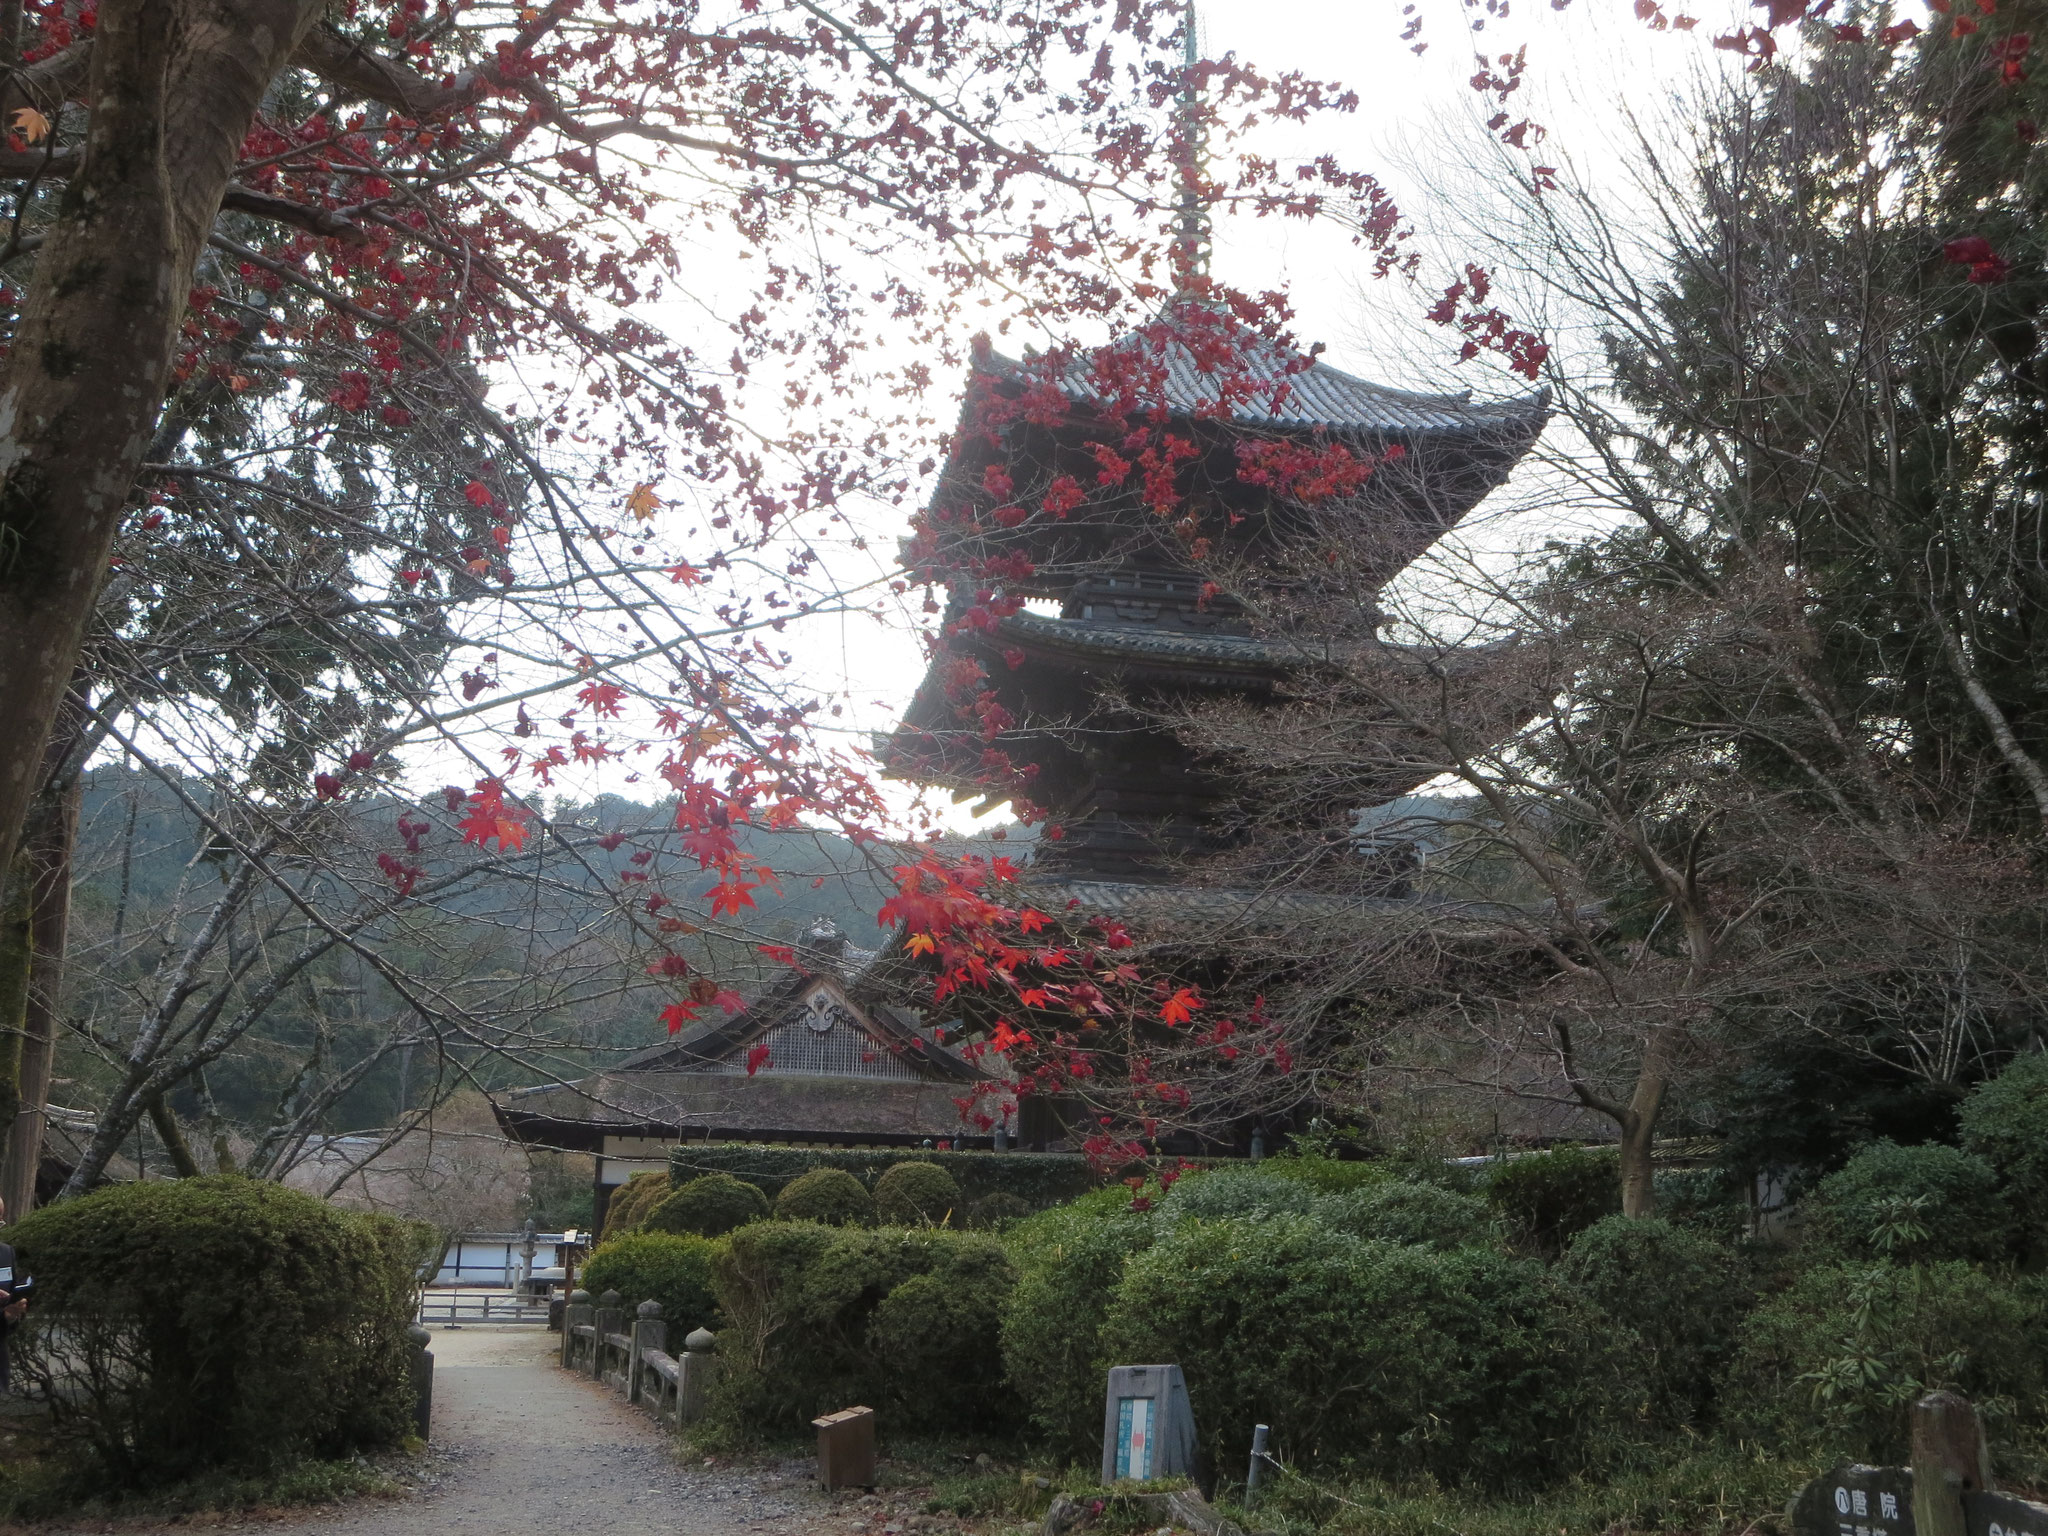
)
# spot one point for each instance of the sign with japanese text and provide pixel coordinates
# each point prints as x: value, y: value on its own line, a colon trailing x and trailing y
x: 1857, y: 1501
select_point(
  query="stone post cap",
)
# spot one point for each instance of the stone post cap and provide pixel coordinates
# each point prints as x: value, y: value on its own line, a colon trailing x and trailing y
x: 419, y: 1335
x: 608, y: 1299
x: 648, y: 1308
x: 700, y: 1341
x: 579, y: 1297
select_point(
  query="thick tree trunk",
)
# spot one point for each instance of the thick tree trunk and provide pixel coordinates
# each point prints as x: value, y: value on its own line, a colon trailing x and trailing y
x: 174, y: 87
x: 16, y: 952
x: 51, y: 835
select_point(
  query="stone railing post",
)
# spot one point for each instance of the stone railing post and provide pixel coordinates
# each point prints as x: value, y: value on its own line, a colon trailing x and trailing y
x: 649, y: 1332
x: 577, y: 1314
x: 422, y: 1379
x: 611, y: 1318
x: 696, y: 1372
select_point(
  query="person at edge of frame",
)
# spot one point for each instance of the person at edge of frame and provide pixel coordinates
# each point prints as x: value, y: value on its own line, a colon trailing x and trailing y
x: 12, y: 1307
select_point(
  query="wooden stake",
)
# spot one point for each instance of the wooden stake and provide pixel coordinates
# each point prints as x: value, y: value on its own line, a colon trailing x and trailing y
x: 1949, y: 1460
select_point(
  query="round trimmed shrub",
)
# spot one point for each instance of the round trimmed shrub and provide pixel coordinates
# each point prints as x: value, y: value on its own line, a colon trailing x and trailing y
x: 218, y: 1323
x: 710, y: 1207
x: 1672, y: 1298
x: 1427, y: 1215
x: 1329, y: 1175
x: 1070, y: 1261
x: 2005, y: 1122
x: 815, y: 1321
x: 631, y: 1202
x: 673, y: 1268
x: 1238, y: 1194
x: 1913, y: 1202
x: 1833, y: 1364
x: 1548, y: 1198
x: 914, y: 1195
x: 829, y: 1195
x: 1396, y: 1361
x: 937, y: 1337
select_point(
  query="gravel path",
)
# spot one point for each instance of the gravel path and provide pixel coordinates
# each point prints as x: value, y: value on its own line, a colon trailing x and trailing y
x: 523, y: 1446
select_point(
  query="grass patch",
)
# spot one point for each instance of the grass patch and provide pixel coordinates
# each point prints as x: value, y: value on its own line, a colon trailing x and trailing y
x: 38, y: 1484
x: 1714, y: 1490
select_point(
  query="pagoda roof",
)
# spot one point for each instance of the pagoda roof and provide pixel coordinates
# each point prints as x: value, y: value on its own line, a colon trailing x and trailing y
x: 1271, y: 383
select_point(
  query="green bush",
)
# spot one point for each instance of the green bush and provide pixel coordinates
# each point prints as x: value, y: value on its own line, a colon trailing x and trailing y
x: 1330, y: 1175
x: 830, y: 1195
x: 814, y: 1322
x: 673, y: 1268
x: 997, y: 1210
x: 1039, y: 1179
x: 1249, y: 1193
x: 1424, y: 1214
x: 1069, y: 1262
x: 202, y: 1324
x: 631, y: 1202
x: 1913, y: 1202
x: 913, y: 1194
x: 1671, y: 1299
x: 1832, y: 1364
x: 1398, y: 1361
x: 1548, y: 1198
x: 710, y: 1207
x: 2005, y: 1122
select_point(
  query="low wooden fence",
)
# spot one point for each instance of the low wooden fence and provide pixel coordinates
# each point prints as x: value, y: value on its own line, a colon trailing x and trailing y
x: 629, y: 1352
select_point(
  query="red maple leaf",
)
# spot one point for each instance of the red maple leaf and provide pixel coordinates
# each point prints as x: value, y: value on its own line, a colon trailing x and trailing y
x: 757, y: 1058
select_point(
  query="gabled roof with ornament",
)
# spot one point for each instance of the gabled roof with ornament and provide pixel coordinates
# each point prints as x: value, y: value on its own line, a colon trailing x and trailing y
x: 822, y: 1054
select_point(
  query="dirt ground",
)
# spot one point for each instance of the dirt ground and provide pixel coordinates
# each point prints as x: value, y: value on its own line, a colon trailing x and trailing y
x: 521, y: 1445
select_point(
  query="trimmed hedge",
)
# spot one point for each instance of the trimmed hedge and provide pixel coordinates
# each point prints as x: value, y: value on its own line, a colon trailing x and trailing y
x: 1427, y: 1215
x: 820, y: 1317
x: 710, y: 1207
x: 1393, y: 1361
x: 1039, y: 1179
x: 1548, y: 1198
x: 916, y: 1195
x: 1070, y: 1261
x: 219, y: 1323
x: 829, y: 1195
x: 673, y: 1268
x: 631, y: 1202
x: 1672, y: 1298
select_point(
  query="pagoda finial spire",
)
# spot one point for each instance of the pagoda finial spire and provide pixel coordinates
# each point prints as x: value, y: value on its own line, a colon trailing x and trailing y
x: 1191, y: 213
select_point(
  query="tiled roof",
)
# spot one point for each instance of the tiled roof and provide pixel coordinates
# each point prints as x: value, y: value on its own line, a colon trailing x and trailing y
x: 1282, y: 393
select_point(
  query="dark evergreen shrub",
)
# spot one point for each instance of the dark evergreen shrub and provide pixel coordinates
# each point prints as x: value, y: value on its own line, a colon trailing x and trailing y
x: 1069, y: 1262
x: 993, y: 1212
x: 1913, y: 1202
x: 830, y: 1195
x: 915, y: 1194
x: 814, y: 1323
x: 710, y: 1207
x: 1548, y: 1198
x: 1670, y: 1299
x: 631, y: 1202
x: 1831, y: 1365
x: 2005, y: 1122
x: 218, y: 1323
x: 1396, y: 1361
x: 673, y: 1268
